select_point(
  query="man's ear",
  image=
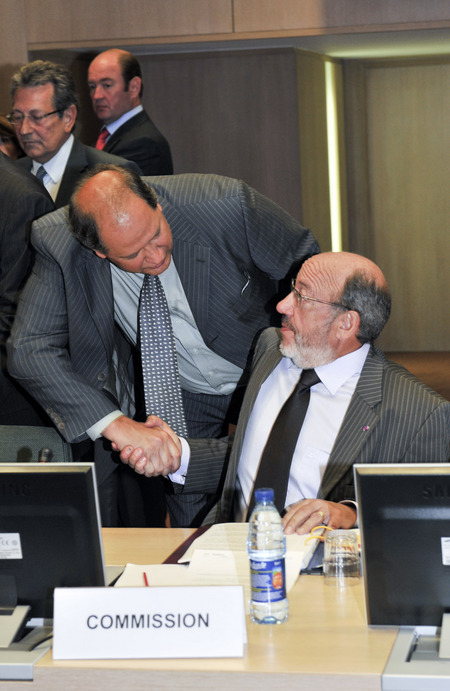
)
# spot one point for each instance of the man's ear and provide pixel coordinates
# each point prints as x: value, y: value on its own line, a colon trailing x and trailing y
x: 100, y: 254
x: 134, y: 86
x: 349, y: 325
x: 69, y: 117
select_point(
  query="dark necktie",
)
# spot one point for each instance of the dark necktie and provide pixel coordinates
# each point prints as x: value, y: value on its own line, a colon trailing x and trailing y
x: 41, y: 173
x: 276, y: 459
x: 102, y: 137
x: 162, y: 390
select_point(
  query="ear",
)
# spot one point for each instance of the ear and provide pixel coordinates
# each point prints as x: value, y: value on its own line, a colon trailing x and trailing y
x: 134, y: 86
x: 100, y: 254
x: 69, y: 117
x: 348, y: 325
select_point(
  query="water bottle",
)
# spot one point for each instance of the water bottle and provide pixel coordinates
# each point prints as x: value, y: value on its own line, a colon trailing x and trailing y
x: 266, y: 547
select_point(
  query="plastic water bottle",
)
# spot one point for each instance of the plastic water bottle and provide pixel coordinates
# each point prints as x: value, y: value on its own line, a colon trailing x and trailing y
x: 266, y: 547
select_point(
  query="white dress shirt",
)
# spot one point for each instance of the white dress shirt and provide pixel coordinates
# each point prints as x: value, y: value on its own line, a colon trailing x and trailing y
x: 327, y: 407
x: 54, y: 168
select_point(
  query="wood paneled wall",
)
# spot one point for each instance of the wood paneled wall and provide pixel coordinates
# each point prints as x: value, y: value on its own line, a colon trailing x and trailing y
x: 399, y: 191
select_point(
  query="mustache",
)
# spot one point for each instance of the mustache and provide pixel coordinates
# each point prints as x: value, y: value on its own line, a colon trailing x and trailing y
x: 286, y: 322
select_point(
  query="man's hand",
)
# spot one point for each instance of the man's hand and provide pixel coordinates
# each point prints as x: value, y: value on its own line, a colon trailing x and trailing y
x: 303, y: 516
x: 151, y: 448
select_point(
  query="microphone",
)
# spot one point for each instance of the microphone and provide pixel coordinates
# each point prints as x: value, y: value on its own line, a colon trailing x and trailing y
x: 45, y: 455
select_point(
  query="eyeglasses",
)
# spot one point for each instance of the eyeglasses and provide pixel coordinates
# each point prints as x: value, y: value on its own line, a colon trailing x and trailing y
x: 16, y: 119
x: 301, y: 297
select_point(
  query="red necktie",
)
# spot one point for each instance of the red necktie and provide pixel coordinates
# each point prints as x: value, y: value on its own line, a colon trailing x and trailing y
x: 102, y: 137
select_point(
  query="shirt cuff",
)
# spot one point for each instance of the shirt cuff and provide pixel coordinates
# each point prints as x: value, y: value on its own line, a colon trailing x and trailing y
x: 179, y: 477
x: 96, y: 430
x: 354, y: 505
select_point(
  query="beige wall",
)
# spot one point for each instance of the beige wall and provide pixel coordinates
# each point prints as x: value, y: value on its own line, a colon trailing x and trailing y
x: 400, y: 198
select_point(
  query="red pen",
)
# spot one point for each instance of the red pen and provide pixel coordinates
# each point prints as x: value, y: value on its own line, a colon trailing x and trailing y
x: 145, y: 579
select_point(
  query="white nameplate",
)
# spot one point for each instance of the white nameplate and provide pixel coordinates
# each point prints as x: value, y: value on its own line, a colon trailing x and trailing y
x: 108, y: 623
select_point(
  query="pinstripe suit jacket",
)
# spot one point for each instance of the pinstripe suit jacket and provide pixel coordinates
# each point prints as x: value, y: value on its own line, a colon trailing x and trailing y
x: 392, y: 418
x: 231, y: 247
x: 81, y: 158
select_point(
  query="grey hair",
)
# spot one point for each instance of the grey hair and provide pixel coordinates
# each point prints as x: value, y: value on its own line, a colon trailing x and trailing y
x: 41, y: 72
x: 371, y: 301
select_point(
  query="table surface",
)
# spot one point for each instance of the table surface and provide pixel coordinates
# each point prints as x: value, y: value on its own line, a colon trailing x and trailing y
x: 325, y: 644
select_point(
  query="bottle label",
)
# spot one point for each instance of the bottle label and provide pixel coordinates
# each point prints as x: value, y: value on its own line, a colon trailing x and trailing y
x: 267, y: 580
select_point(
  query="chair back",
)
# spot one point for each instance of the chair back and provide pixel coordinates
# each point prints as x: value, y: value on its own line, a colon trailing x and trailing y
x: 22, y: 444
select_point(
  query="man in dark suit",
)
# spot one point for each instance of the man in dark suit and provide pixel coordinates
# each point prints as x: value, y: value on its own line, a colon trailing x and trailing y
x: 364, y: 408
x: 45, y: 107
x: 230, y: 246
x: 115, y: 86
x: 22, y: 199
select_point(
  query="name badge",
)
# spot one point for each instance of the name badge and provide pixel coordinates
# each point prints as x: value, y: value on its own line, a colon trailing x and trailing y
x: 125, y: 623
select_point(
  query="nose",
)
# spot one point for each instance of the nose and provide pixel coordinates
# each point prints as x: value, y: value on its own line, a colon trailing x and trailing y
x: 25, y: 126
x: 97, y: 92
x: 286, y: 306
x: 153, y: 256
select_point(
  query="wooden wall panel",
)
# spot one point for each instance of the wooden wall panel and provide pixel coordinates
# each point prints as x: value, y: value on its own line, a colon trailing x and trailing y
x: 231, y: 113
x: 13, y: 46
x: 116, y: 21
x: 407, y: 161
x: 317, y: 15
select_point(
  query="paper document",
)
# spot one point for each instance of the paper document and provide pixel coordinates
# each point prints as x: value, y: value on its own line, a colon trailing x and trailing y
x: 218, y: 557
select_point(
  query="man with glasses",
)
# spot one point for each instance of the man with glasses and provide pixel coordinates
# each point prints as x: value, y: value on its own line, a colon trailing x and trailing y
x: 45, y: 105
x: 362, y: 408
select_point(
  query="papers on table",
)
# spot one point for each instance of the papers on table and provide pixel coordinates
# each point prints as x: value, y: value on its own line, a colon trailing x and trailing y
x: 218, y: 557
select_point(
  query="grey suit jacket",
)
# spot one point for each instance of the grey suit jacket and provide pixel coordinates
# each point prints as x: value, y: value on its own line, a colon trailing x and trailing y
x: 232, y: 246
x: 392, y: 418
x: 139, y: 140
x: 81, y: 158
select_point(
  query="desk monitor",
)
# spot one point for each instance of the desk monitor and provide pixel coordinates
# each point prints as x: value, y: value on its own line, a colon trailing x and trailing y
x: 49, y: 533
x: 404, y: 519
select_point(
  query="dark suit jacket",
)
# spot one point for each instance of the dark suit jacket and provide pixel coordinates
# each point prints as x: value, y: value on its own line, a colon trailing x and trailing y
x: 22, y: 199
x: 139, y: 140
x: 81, y: 158
x: 392, y: 418
x: 231, y: 248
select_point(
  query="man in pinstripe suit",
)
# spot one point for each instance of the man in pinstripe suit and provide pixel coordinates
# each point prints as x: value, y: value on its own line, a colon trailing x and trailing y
x: 365, y: 409
x: 230, y: 246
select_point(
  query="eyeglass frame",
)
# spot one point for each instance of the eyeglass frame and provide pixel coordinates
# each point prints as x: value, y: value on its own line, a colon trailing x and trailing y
x: 301, y: 297
x: 34, y: 119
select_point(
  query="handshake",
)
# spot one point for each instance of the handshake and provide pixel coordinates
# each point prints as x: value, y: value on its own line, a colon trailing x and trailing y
x: 151, y: 448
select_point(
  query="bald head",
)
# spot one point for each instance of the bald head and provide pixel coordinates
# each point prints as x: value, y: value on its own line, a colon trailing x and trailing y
x: 101, y: 199
x: 330, y: 272
x: 352, y: 281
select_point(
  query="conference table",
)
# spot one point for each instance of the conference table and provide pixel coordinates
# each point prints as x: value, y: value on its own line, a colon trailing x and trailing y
x: 325, y: 644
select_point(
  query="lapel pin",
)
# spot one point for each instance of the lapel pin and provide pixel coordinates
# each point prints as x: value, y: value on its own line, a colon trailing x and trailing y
x: 366, y: 428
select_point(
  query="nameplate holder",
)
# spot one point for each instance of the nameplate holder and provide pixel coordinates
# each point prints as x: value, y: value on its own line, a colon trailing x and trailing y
x: 132, y: 623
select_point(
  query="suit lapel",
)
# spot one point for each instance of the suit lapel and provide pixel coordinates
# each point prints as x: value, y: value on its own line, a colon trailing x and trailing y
x: 264, y: 366
x: 352, y: 444
x: 193, y: 263
x: 94, y: 281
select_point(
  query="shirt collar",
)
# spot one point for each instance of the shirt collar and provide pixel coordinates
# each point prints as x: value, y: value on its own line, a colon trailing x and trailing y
x: 334, y: 374
x: 56, y: 166
x: 113, y: 126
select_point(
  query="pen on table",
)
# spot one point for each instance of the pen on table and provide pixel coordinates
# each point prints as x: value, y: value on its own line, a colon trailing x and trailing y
x: 145, y: 579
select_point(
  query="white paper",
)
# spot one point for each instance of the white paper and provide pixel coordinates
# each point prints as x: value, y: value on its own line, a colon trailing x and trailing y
x: 218, y: 557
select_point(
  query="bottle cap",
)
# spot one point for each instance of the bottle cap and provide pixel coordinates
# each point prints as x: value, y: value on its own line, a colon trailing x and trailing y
x: 264, y: 494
